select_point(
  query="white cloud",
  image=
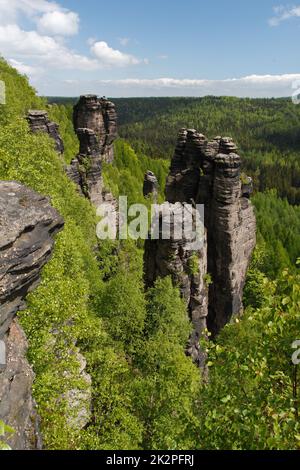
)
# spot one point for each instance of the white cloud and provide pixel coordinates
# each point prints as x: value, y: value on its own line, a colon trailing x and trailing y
x: 10, y: 9
x: 59, y: 23
x: 24, y: 69
x: 248, y: 86
x: 248, y: 82
x: 47, y: 51
x: 284, y: 13
x: 44, y: 45
x: 50, y: 17
x: 112, y: 57
x: 163, y: 57
x: 50, y: 52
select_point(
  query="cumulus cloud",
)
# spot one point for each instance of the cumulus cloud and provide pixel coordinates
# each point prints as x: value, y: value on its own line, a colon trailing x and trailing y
x: 59, y: 23
x: 44, y: 45
x: 282, y: 13
x: 17, y: 43
x: 50, y: 17
x: 10, y: 9
x: 112, y: 57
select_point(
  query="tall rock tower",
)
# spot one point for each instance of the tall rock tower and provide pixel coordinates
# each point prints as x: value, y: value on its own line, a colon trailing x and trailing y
x: 209, y: 173
x: 97, y: 115
x: 95, y: 123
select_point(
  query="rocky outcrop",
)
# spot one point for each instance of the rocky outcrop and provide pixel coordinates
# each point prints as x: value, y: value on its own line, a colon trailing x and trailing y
x: 176, y: 256
x: 150, y: 187
x: 232, y: 239
x: 17, y: 407
x: 95, y: 124
x: 209, y: 173
x: 86, y: 169
x: 27, y: 226
x: 39, y: 122
x: 79, y: 399
x: 97, y: 115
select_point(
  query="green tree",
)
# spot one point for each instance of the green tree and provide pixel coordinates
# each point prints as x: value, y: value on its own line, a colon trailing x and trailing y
x: 166, y: 389
x: 251, y: 399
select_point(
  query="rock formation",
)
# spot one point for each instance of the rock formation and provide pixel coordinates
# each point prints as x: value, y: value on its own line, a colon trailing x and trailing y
x: 86, y: 169
x: 209, y: 174
x: 27, y: 226
x: 99, y: 116
x: 95, y: 124
x: 17, y: 407
x: 176, y: 256
x: 150, y: 185
x: 39, y: 122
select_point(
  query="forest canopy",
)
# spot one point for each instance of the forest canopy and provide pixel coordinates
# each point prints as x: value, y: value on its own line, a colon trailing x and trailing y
x: 145, y: 392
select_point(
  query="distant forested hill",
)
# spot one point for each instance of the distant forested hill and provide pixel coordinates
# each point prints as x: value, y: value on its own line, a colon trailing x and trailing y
x: 267, y: 132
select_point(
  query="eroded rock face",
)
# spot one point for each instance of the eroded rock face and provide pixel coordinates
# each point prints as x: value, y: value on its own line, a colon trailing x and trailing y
x: 150, y: 185
x: 232, y: 239
x: 27, y: 226
x: 95, y: 123
x: 17, y: 407
x: 98, y: 115
x: 176, y: 256
x: 86, y: 169
x: 209, y: 173
x: 39, y: 122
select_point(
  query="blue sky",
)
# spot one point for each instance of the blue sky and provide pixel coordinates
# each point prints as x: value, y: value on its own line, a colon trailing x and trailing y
x: 154, y: 47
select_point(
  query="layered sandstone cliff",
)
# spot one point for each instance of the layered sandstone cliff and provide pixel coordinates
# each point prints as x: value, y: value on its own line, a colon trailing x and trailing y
x: 98, y: 115
x: 183, y: 256
x: 208, y: 173
x: 27, y: 226
x: 95, y: 123
x: 39, y: 122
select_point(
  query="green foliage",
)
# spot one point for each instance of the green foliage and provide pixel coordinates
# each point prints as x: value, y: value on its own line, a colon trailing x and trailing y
x: 251, y: 399
x: 62, y: 312
x: 193, y: 264
x: 20, y: 97
x: 146, y: 393
x: 266, y: 130
x: 208, y: 279
x: 94, y: 300
x: 113, y: 423
x: 123, y: 302
x: 166, y: 389
x: 5, y: 431
x: 244, y: 178
x: 126, y: 175
x: 63, y: 115
x: 279, y: 226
